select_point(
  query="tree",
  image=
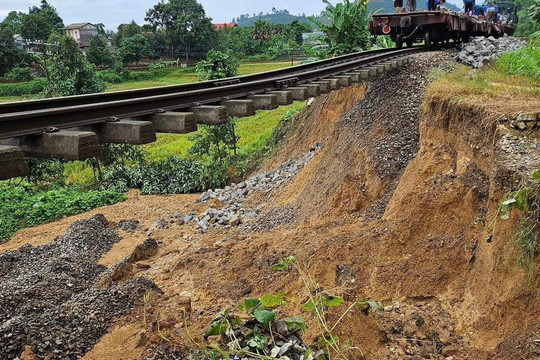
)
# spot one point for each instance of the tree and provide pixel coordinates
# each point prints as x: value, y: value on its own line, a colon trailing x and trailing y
x: 262, y: 31
x: 239, y: 41
x: 49, y: 13
x: 127, y: 31
x: 529, y: 17
x: 41, y: 22
x: 70, y: 73
x: 35, y: 27
x: 185, y: 24
x: 134, y: 49
x: 13, y: 22
x: 101, y: 28
x: 98, y: 53
x: 348, y: 31
x: 296, y: 29
x: 9, y: 52
x: 218, y: 65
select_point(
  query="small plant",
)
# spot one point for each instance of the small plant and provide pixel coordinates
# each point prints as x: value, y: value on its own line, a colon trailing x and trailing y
x: 527, y: 201
x: 384, y: 42
x: 218, y: 65
x: 318, y: 303
x: 253, y: 333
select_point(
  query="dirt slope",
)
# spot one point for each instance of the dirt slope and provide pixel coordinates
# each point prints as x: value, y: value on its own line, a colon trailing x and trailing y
x: 392, y: 207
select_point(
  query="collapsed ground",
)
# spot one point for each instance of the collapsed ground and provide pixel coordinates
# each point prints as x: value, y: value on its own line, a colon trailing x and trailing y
x: 389, y: 205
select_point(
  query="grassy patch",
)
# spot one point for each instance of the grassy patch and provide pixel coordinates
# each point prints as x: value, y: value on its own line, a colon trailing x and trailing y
x: 174, y: 76
x: 506, y: 88
x: 525, y: 62
x: 12, y: 98
x: 21, y: 208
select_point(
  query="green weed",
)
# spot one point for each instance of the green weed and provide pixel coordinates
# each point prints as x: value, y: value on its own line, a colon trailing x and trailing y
x: 21, y: 207
x: 527, y: 201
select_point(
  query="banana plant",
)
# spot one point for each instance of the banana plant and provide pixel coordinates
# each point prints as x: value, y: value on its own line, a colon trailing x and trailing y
x: 348, y: 30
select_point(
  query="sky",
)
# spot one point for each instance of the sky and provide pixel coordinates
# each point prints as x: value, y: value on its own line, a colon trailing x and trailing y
x: 115, y: 12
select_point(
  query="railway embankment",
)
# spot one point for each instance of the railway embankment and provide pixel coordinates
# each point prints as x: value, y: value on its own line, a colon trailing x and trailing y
x: 389, y: 199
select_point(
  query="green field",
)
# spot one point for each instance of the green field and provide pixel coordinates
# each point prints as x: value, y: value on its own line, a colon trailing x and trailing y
x: 174, y: 76
x: 183, y: 76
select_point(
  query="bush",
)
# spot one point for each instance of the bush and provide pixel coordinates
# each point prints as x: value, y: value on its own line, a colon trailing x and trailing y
x: 218, y: 65
x: 110, y: 77
x: 117, y: 76
x: 20, y: 208
x: 174, y: 176
x: 21, y: 89
x: 19, y: 75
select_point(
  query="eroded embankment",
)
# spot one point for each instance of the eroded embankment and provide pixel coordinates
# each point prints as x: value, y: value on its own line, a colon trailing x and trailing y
x: 395, y: 207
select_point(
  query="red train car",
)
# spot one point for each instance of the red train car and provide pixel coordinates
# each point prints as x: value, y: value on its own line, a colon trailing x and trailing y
x: 434, y: 27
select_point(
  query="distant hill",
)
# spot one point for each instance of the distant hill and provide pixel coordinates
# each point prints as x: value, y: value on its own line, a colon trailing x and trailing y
x: 279, y: 17
x: 284, y: 17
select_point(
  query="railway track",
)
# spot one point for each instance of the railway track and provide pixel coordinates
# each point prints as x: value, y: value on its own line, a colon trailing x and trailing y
x: 72, y: 127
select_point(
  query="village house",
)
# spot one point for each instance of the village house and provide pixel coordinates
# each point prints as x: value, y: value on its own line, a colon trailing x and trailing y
x: 82, y: 33
x: 225, y: 26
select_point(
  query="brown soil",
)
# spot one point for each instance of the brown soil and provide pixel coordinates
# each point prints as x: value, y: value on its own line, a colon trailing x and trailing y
x: 411, y: 237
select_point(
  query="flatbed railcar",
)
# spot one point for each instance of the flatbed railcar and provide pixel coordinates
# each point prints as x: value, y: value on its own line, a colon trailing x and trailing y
x: 434, y: 27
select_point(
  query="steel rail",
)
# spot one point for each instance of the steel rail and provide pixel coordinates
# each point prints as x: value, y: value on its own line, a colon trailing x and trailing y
x: 40, y: 104
x: 104, y: 107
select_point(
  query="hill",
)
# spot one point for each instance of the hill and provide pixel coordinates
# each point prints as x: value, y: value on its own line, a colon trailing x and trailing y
x: 278, y: 17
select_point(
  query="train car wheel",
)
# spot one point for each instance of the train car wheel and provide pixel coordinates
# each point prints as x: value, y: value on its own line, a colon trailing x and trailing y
x: 427, y: 38
x: 399, y: 41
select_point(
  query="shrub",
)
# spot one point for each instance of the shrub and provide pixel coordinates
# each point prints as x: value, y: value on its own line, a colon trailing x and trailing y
x: 20, y: 207
x: 110, y: 76
x: 174, y: 176
x: 120, y: 75
x: 19, y: 75
x: 218, y: 65
x: 21, y: 89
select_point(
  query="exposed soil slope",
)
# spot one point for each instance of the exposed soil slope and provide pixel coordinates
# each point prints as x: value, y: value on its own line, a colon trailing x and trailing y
x: 390, y: 208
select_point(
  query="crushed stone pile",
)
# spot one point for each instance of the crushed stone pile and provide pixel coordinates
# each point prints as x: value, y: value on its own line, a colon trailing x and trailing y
x: 480, y: 51
x: 48, y: 297
x: 232, y: 214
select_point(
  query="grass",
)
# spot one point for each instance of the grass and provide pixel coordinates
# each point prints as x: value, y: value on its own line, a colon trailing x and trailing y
x: 509, y: 86
x: 11, y: 98
x: 524, y: 62
x: 174, y: 76
x: 254, y: 132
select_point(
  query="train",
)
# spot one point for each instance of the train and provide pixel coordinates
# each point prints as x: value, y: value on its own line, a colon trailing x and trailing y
x: 442, y: 26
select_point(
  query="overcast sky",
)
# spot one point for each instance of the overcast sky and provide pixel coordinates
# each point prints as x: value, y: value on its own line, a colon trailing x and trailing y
x: 115, y: 12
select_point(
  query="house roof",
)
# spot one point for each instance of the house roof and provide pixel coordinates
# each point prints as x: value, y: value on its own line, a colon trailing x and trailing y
x: 76, y: 26
x: 225, y: 26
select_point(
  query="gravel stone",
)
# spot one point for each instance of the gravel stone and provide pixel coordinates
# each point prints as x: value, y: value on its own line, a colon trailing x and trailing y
x: 48, y: 297
x: 480, y: 51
